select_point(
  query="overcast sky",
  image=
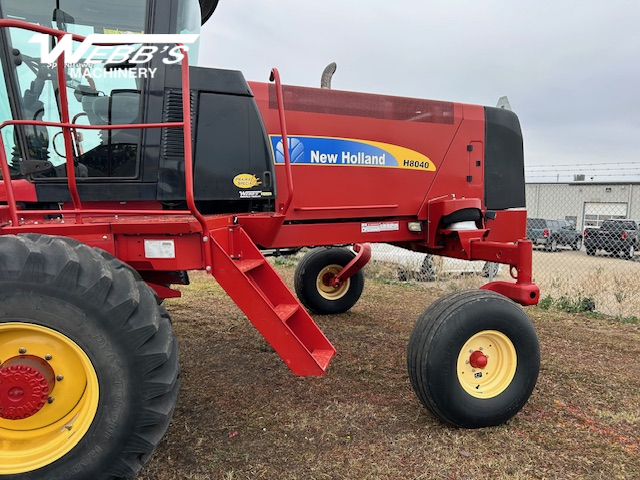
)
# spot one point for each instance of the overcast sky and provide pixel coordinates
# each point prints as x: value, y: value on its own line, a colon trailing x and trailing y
x: 571, y: 69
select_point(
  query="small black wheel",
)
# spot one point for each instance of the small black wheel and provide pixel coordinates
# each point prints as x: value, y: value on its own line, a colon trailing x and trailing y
x: 89, y: 330
x: 473, y: 358
x: 591, y: 251
x: 577, y: 245
x: 312, y: 286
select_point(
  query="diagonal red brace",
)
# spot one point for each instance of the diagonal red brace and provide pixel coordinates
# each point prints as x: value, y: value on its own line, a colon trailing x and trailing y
x: 363, y: 255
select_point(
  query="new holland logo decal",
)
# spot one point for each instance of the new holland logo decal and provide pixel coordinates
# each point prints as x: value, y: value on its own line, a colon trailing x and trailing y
x: 349, y: 152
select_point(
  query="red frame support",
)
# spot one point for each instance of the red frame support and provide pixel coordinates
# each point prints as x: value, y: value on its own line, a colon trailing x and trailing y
x: 520, y: 258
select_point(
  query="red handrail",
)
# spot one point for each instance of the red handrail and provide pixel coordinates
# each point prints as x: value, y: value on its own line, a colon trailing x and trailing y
x: 6, y: 176
x: 66, y: 135
x: 66, y: 127
x: 275, y: 75
x: 186, y: 125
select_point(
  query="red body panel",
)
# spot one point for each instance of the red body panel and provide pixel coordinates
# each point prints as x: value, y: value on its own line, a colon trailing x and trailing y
x: 341, y: 191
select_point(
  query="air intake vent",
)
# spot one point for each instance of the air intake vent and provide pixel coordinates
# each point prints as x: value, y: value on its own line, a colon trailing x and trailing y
x: 172, y: 138
x: 353, y: 104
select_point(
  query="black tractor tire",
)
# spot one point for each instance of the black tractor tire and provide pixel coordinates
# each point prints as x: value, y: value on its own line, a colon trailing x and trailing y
x: 64, y: 289
x: 438, y: 349
x: 322, y: 299
x: 577, y: 245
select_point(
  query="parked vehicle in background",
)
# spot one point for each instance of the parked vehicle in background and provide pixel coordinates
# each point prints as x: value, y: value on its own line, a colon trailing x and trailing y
x: 614, y: 236
x: 553, y: 233
x: 539, y: 231
x: 568, y: 236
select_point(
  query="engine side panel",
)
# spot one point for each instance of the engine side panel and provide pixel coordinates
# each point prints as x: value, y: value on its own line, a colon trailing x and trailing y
x: 358, y: 155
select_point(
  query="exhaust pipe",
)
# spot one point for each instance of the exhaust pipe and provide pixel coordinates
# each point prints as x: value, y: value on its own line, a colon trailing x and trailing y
x: 329, y: 70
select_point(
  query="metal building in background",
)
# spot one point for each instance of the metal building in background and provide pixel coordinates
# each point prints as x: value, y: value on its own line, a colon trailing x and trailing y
x: 587, y: 204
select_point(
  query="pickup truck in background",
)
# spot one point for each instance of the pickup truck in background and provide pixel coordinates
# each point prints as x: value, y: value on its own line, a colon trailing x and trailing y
x: 553, y: 233
x: 620, y: 237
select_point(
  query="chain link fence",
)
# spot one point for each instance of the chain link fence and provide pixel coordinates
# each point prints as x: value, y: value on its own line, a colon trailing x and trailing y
x: 585, y: 257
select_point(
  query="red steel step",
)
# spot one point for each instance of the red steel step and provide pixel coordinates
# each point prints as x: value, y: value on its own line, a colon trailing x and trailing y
x: 286, y: 310
x: 246, y: 265
x: 246, y: 276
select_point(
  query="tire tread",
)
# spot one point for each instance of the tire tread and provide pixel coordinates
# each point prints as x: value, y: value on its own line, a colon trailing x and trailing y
x: 66, y: 265
x: 427, y: 327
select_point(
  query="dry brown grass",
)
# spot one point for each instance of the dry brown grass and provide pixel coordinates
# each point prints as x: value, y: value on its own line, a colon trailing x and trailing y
x: 242, y: 415
x: 609, y: 282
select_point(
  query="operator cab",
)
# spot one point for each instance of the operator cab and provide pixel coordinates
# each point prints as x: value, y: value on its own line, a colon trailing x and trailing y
x: 232, y: 158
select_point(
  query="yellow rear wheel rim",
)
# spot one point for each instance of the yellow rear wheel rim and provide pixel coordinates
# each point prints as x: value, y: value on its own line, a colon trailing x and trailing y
x: 51, y: 433
x: 501, y: 362
x: 329, y: 292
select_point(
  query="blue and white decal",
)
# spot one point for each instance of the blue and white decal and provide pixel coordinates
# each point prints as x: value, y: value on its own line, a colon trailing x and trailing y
x: 348, y: 152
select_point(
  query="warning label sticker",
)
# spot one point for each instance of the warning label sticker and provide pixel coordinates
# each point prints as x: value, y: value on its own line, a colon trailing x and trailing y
x: 376, y: 227
x: 159, y: 249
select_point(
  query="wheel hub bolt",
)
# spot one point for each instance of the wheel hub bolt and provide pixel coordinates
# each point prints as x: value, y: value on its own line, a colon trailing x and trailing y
x: 50, y: 400
x: 59, y: 378
x: 48, y: 357
x: 22, y: 351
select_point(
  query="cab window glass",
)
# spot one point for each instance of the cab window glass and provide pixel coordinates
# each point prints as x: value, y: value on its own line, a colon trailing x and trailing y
x: 188, y: 21
x: 96, y: 95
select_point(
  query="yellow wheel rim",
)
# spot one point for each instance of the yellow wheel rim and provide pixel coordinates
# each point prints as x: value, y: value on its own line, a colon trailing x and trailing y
x: 52, y: 432
x: 500, y: 361
x: 330, y: 292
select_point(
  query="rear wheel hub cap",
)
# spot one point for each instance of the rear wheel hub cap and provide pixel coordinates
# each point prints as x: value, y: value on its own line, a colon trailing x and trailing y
x: 25, y: 384
x: 478, y: 360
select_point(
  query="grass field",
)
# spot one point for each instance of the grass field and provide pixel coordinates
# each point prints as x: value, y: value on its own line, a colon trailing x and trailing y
x: 242, y: 415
